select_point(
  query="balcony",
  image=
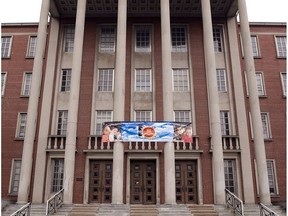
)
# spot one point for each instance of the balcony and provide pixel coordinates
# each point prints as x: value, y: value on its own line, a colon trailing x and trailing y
x: 56, y: 143
x: 229, y: 144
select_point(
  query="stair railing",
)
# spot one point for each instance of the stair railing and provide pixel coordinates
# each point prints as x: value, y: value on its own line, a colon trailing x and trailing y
x: 265, y: 211
x: 232, y: 201
x: 54, y: 202
x: 23, y: 211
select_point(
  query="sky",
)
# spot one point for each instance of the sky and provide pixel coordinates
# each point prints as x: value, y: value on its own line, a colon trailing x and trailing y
x: 29, y: 11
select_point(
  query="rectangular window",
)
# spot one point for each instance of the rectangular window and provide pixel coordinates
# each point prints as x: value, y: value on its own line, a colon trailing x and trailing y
x: 260, y: 83
x: 178, y: 38
x: 221, y: 80
x: 32, y: 46
x: 217, y: 39
x: 5, y: 46
x: 224, y: 120
x: 3, y: 82
x: 15, y: 176
x: 26, y: 86
x: 265, y: 125
x: 101, y: 117
x: 143, y: 115
x: 22, y: 118
x: 65, y: 80
x: 58, y: 173
x: 62, y: 122
x: 182, y: 116
x: 143, y: 38
x: 143, y: 80
x: 284, y: 83
x: 105, y: 80
x: 180, y: 80
x: 107, y: 39
x: 69, y: 34
x: 255, y: 48
x: 230, y: 175
x: 281, y: 46
x: 272, y: 177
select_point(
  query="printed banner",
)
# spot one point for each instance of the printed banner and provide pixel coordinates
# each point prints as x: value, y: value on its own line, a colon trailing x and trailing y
x: 147, y: 131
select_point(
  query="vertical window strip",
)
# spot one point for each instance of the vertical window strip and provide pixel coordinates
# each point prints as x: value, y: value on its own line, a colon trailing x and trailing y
x: 5, y: 47
x: 143, y: 80
x: 255, y: 48
x: 62, y: 122
x: 180, y: 80
x: 101, y: 117
x: 142, y: 39
x: 27, y: 84
x: 107, y: 39
x: 143, y: 115
x: 105, y: 81
x: 224, y: 120
x: 16, y: 170
x: 284, y: 83
x: 178, y: 38
x: 265, y: 125
x: 3, y: 82
x: 65, y: 80
x: 69, y: 35
x: 260, y: 83
x: 32, y: 46
x: 58, y: 173
x: 221, y: 80
x: 22, y: 125
x: 271, y: 177
x: 281, y: 46
x: 182, y: 116
x: 217, y: 39
x: 229, y: 172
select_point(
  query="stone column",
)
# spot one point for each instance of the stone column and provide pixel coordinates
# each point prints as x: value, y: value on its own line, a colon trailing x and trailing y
x: 71, y: 135
x: 32, y: 113
x: 169, y: 153
x: 119, y: 102
x: 214, y: 111
x: 259, y: 145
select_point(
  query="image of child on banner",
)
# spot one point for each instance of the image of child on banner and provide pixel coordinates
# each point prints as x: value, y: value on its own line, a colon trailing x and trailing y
x: 115, y: 134
x: 187, y: 136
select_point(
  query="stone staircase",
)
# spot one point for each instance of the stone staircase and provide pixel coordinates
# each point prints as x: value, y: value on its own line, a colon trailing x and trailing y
x: 205, y: 210
x: 173, y: 210
x: 84, y: 210
x: 143, y: 210
x: 253, y: 210
x: 113, y: 210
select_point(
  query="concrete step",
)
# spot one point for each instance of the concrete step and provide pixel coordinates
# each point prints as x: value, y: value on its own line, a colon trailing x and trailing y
x: 173, y: 210
x: 113, y: 210
x: 202, y: 210
x: 143, y: 210
x: 84, y: 210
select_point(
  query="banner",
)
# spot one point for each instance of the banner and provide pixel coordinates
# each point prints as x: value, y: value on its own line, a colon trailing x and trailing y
x: 147, y: 131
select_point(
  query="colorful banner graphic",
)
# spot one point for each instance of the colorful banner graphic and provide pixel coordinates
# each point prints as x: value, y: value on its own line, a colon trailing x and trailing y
x: 147, y: 131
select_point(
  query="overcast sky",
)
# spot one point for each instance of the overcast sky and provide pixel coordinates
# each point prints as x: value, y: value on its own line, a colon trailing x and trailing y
x: 29, y: 10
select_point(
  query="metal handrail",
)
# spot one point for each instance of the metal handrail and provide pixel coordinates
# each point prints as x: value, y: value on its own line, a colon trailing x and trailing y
x: 265, y: 211
x: 54, y: 202
x: 23, y: 211
x: 234, y: 202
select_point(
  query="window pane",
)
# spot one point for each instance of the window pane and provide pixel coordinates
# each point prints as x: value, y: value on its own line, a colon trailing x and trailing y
x: 260, y: 86
x: 3, y: 82
x: 105, y: 81
x: 107, y: 39
x: 15, y: 176
x: 182, y: 116
x: 69, y: 38
x: 5, y: 47
x: 27, y: 84
x: 255, y: 46
x: 58, y: 173
x: 143, y: 80
x: 217, y: 39
x: 65, y: 80
x: 224, y: 120
x: 178, y: 38
x: 142, y: 39
x: 180, y: 80
x: 221, y: 80
x: 143, y: 115
x: 32, y: 46
x: 271, y: 177
x: 101, y: 117
x: 281, y: 46
x: 230, y: 177
x: 62, y: 122
x: 22, y: 125
x: 265, y: 125
x: 284, y: 83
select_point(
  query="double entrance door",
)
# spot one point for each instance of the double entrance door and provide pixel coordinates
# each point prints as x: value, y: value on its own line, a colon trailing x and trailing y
x: 143, y: 182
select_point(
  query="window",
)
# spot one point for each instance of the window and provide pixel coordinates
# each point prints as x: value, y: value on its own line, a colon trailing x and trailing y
x: 15, y: 176
x: 101, y: 117
x: 69, y: 33
x: 26, y: 84
x: 107, y: 39
x: 180, y: 80
x: 217, y: 39
x: 230, y: 175
x: 260, y: 83
x: 143, y: 115
x: 281, y: 46
x: 272, y: 177
x: 224, y: 120
x: 178, y: 38
x: 62, y: 122
x: 143, y: 80
x: 221, y: 80
x: 22, y: 118
x: 142, y: 39
x: 255, y: 48
x: 284, y: 83
x: 65, y: 80
x: 58, y: 173
x: 182, y: 116
x: 5, y: 46
x: 105, y: 81
x: 32, y: 46
x: 265, y: 125
x: 3, y: 82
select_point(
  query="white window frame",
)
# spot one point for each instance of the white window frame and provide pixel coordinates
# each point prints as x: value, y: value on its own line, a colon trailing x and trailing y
x: 235, y: 177
x: 68, y: 46
x: 58, y: 177
x: 143, y: 87
x: 255, y: 46
x: 146, y: 113
x: 267, y: 134
x: 99, y: 120
x: 181, y: 75
x: 31, y: 48
x: 107, y: 41
x: 7, y: 52
x: 281, y: 50
x: 221, y: 80
x: 61, y: 127
x: 176, y: 46
x: 274, y: 177
x: 65, y: 84
x: 284, y: 83
x: 21, y: 125
x: 186, y: 113
x: 26, y: 84
x: 146, y: 29
x: 217, y: 39
x: 225, y: 122
x: 3, y: 82
x: 105, y: 88
x: 260, y: 83
x: 13, y: 176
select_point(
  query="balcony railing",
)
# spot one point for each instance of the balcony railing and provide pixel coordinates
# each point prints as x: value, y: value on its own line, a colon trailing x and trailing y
x: 95, y: 143
x: 230, y: 143
x: 183, y: 146
x: 56, y: 142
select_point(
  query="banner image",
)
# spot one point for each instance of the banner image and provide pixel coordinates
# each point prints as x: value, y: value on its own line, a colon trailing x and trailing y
x: 146, y: 131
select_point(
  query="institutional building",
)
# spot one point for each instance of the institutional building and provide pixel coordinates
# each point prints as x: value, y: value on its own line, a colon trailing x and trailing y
x: 102, y: 61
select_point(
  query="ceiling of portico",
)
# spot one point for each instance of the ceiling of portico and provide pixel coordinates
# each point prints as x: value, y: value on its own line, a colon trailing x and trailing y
x: 144, y: 8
